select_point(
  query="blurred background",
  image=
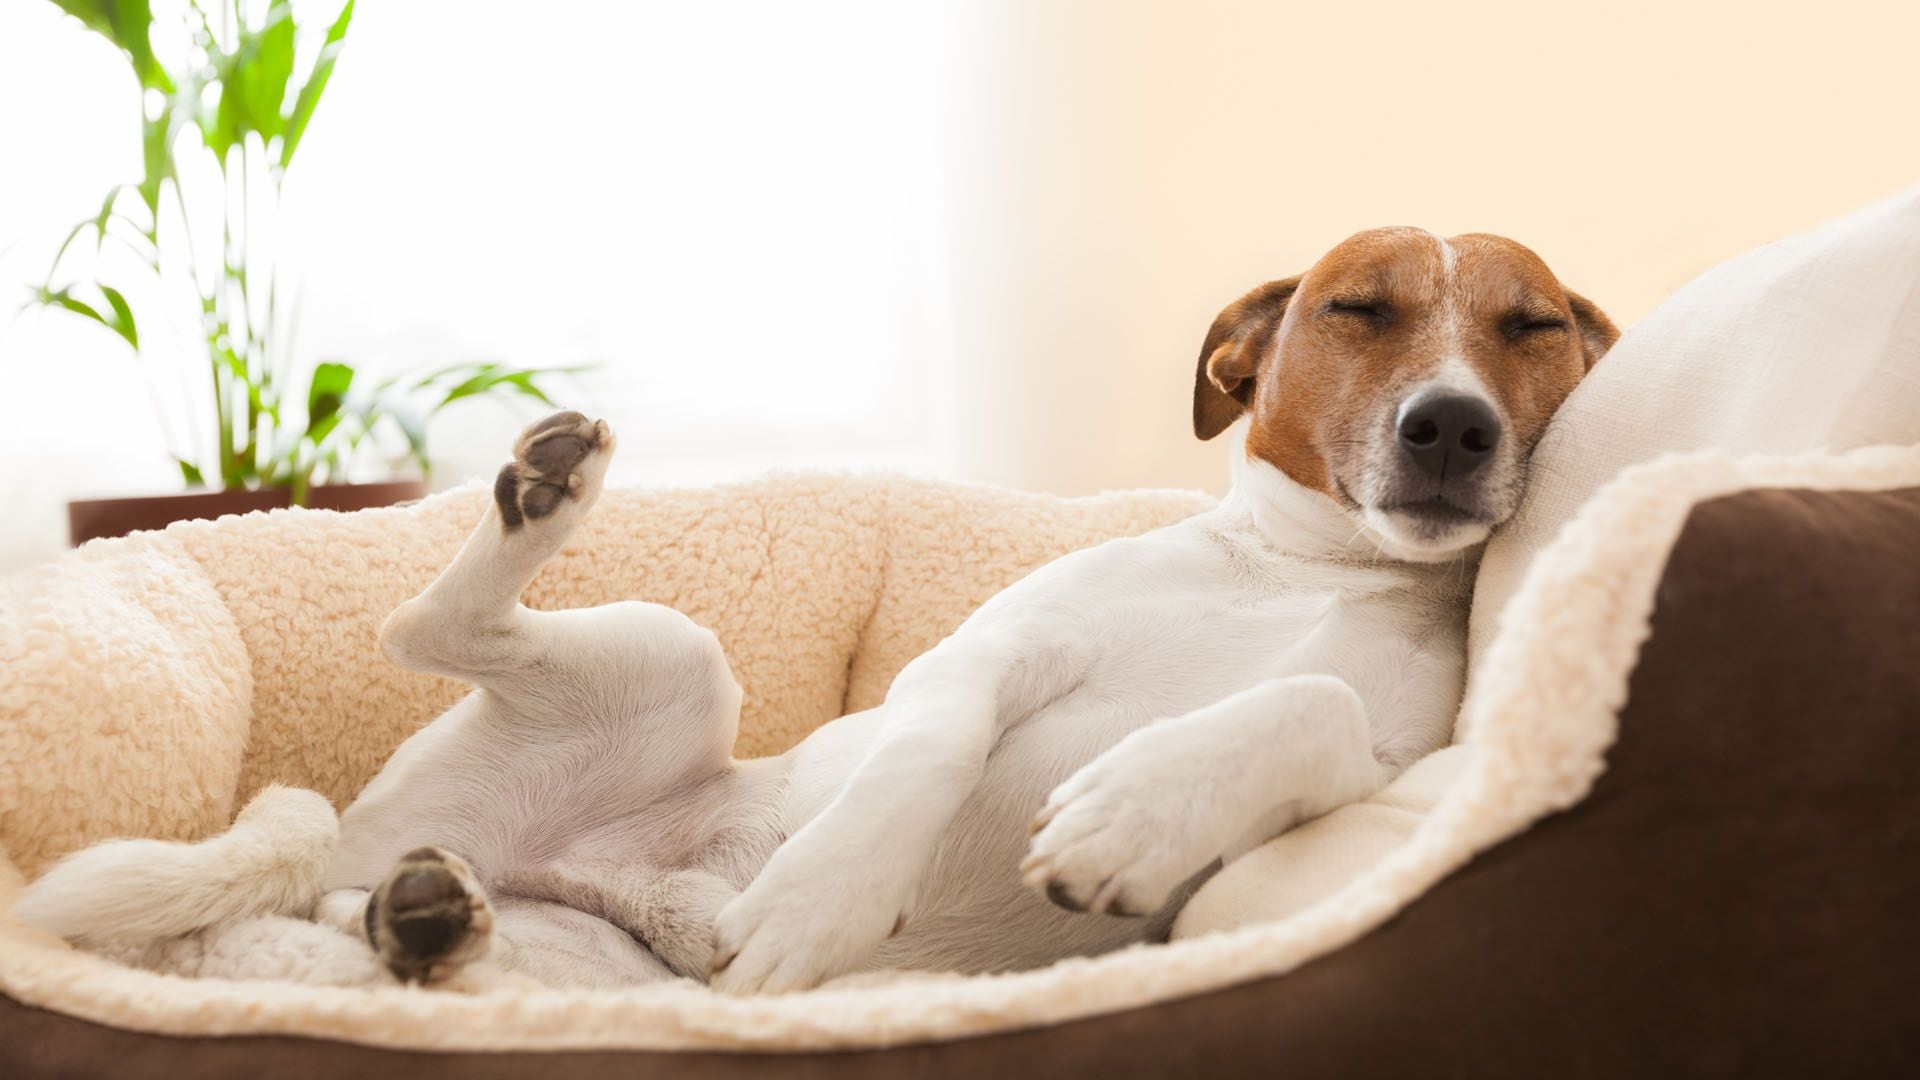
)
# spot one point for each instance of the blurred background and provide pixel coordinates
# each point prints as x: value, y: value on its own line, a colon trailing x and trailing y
x: 978, y: 239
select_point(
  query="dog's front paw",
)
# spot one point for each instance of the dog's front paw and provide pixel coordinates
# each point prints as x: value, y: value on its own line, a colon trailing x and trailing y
x: 801, y: 922
x: 1119, y: 837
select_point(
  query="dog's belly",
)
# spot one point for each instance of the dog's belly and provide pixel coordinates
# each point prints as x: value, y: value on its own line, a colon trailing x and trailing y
x: 501, y: 799
x: 974, y: 913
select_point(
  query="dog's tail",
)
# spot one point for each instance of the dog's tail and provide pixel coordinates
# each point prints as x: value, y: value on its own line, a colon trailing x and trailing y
x: 270, y: 863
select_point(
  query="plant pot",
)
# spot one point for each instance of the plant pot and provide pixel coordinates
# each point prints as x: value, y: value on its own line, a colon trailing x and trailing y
x: 92, y: 519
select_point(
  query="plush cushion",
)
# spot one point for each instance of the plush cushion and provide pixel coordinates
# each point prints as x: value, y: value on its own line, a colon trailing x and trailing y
x: 1809, y: 343
x: 260, y: 633
x: 1306, y: 865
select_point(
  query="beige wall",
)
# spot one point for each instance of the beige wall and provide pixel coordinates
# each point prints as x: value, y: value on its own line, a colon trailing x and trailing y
x: 1130, y: 167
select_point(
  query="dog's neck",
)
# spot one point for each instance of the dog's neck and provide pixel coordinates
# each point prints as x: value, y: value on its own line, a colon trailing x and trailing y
x: 1297, y: 519
x: 1292, y: 516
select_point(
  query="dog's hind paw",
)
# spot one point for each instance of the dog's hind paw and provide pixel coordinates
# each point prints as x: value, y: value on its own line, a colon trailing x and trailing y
x: 429, y: 918
x: 557, y: 462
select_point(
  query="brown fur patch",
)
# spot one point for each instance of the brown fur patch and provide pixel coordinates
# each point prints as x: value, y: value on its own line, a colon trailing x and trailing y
x: 1235, y: 349
x: 506, y: 495
x: 1320, y: 359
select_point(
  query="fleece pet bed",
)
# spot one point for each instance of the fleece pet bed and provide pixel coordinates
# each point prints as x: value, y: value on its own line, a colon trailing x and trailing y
x: 151, y: 684
x: 1733, y: 898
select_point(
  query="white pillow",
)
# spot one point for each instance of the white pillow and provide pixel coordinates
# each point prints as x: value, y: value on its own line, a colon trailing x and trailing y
x: 1303, y: 866
x: 1809, y: 343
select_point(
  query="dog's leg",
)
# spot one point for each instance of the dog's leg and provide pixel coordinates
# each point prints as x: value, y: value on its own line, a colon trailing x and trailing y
x: 430, y: 922
x: 469, y: 623
x: 561, y: 946
x: 562, y: 666
x: 671, y: 912
x: 1124, y: 832
x: 846, y: 880
x: 585, y: 714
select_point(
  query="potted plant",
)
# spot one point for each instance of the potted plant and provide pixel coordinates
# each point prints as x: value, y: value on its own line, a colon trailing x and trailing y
x: 226, y: 88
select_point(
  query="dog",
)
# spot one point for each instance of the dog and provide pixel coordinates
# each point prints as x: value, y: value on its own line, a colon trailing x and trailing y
x: 1053, y: 779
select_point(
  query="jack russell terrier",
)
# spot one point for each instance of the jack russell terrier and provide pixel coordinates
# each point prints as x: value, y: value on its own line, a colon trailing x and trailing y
x: 1053, y: 779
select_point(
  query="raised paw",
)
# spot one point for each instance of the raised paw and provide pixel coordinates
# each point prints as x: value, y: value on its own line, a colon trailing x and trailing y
x: 557, y: 462
x: 429, y: 918
x: 1116, y: 840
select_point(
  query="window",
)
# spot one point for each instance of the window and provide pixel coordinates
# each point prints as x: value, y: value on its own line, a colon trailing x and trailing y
x: 732, y: 210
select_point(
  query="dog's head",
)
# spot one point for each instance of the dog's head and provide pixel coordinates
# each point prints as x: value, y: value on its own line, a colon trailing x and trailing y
x: 1405, y: 376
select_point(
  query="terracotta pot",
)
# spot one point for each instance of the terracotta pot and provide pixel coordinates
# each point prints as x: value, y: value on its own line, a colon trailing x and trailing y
x: 91, y: 519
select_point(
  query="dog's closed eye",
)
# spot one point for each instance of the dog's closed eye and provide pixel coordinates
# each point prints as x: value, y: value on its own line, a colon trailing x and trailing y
x: 1376, y: 312
x: 1520, y: 324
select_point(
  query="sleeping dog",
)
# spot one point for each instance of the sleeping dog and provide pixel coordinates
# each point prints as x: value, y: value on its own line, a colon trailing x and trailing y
x: 1053, y: 779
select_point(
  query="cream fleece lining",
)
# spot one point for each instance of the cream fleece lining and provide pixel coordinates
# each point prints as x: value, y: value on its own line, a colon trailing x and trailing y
x: 1537, y: 725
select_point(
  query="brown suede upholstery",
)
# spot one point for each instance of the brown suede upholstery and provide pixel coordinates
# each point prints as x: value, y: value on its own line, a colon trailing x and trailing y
x: 1740, y: 896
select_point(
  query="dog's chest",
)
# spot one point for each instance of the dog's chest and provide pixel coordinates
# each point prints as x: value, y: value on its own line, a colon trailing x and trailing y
x: 1224, y: 614
x: 1172, y: 661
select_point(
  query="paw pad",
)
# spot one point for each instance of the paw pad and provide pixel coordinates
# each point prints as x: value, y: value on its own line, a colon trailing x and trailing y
x: 547, y: 467
x: 429, y: 917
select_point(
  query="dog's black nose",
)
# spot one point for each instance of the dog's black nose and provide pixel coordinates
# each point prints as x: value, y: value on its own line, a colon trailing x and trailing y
x: 1448, y: 434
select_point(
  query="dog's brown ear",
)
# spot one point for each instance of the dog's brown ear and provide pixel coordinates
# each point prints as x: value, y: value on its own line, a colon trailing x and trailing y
x: 1597, y: 332
x: 1240, y: 341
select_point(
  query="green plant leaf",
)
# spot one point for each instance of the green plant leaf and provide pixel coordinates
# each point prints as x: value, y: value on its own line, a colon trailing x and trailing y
x: 190, y: 473
x: 522, y: 381
x: 64, y: 298
x: 257, y: 79
x: 122, y: 323
x: 315, y: 85
x: 61, y: 252
x: 125, y: 23
x: 475, y: 384
x: 106, y: 207
x: 98, y: 224
x: 250, y: 82
x: 486, y: 378
x: 226, y: 124
x: 325, y: 392
x: 156, y: 135
x: 437, y: 374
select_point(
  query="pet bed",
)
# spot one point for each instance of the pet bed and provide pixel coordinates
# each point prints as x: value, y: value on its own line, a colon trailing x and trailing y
x: 1733, y: 895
